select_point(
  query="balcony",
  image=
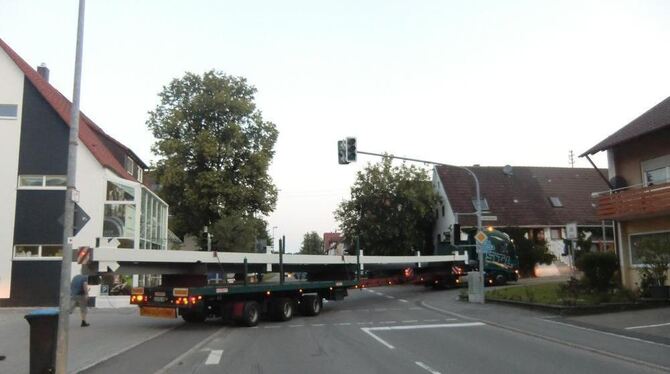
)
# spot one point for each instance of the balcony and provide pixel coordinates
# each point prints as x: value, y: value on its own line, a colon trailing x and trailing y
x: 634, y: 202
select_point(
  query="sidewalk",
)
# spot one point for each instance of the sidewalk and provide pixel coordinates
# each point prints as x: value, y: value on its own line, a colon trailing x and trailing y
x: 111, y: 331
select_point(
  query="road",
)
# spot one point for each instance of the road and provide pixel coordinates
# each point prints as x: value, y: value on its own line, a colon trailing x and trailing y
x: 399, y: 330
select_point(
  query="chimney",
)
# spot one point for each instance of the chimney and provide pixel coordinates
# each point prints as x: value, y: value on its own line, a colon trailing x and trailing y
x: 43, y: 71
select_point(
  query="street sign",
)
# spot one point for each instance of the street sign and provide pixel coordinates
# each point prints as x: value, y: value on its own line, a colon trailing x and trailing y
x: 480, y: 237
x: 489, y: 218
x: 80, y: 219
x: 571, y: 231
x: 112, y: 243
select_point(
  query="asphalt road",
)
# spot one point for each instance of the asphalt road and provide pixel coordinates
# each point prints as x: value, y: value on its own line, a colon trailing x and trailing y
x: 398, y: 330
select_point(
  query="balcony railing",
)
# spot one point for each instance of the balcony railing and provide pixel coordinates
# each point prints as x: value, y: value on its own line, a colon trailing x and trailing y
x: 634, y: 202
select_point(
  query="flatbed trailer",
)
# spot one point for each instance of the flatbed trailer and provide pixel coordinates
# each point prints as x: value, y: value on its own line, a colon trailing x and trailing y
x: 243, y: 304
x: 185, y: 291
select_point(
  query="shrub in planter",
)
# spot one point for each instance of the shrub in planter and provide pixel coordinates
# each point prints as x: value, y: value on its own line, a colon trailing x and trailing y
x: 599, y: 269
x: 655, y: 254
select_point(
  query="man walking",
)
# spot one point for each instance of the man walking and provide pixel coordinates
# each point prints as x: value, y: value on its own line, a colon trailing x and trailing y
x: 79, y: 296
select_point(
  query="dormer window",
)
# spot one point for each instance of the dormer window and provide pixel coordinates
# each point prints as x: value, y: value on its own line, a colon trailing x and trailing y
x: 555, y: 202
x: 140, y: 174
x: 130, y: 165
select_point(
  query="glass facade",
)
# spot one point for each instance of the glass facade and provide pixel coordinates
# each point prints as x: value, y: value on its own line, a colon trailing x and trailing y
x: 135, y: 216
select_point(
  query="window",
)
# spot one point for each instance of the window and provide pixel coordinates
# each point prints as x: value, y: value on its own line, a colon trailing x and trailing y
x: 637, y: 242
x: 656, y: 171
x: 38, y: 251
x: 130, y: 165
x: 119, y: 221
x: 556, y: 234
x: 555, y: 202
x: 119, y: 192
x: 8, y: 111
x: 140, y: 174
x: 57, y: 182
x: 485, y: 204
x: 442, y: 210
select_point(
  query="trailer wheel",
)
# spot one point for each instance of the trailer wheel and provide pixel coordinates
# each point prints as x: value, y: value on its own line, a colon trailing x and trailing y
x: 283, y: 309
x: 251, y: 314
x: 192, y: 316
x: 311, y: 305
x: 500, y: 280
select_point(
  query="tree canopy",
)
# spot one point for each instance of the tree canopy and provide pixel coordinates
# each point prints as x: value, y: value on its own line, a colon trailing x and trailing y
x: 312, y: 244
x: 236, y: 232
x: 392, y: 209
x: 215, y: 150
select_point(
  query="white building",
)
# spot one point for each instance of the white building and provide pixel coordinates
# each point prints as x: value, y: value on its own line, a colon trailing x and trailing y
x: 34, y: 123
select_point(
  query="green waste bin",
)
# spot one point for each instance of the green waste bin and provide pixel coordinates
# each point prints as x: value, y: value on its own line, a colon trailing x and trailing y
x: 43, y: 333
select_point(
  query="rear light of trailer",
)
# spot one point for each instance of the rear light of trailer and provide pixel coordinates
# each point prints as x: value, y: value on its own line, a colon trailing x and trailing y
x: 139, y: 298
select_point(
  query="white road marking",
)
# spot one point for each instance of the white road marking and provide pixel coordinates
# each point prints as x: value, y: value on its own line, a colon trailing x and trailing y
x: 403, y: 301
x: 428, y: 368
x: 410, y: 321
x: 451, y: 319
x: 646, y: 326
x: 317, y: 324
x: 271, y: 327
x: 607, y: 333
x: 430, y: 320
x: 390, y: 297
x: 384, y: 342
x: 368, y: 330
x: 415, y: 308
x: 344, y: 324
x: 214, y: 357
x: 387, y: 322
x: 195, y: 348
x: 296, y: 325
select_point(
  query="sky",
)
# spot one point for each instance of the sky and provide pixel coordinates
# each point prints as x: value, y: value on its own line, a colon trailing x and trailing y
x: 458, y: 82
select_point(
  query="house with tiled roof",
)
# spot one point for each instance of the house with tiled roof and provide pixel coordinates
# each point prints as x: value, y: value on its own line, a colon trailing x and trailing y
x: 542, y: 200
x: 638, y: 197
x: 34, y: 128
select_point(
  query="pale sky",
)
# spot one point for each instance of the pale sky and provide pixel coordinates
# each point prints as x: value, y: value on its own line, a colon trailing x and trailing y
x: 459, y: 82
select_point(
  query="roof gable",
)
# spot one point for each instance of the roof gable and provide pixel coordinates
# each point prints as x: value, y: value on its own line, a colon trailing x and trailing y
x: 652, y: 120
x: 92, y: 136
x: 523, y: 198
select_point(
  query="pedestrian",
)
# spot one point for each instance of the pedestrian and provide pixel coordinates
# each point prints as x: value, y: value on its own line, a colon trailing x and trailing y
x: 79, y: 296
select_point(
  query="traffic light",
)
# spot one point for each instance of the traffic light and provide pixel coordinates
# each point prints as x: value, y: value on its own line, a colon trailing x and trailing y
x: 342, y: 152
x: 351, y: 149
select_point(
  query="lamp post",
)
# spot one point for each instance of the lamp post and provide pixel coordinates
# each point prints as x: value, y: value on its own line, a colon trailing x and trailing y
x: 478, y: 211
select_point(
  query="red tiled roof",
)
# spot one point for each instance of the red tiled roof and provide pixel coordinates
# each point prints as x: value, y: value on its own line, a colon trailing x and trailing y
x: 89, y: 133
x: 522, y: 199
x: 654, y: 119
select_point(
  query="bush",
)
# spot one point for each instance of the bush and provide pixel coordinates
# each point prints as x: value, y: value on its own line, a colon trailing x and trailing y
x: 599, y: 269
x: 529, y: 253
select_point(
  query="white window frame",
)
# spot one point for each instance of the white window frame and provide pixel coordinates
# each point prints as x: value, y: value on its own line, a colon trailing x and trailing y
x: 630, y: 245
x: 39, y: 256
x: 11, y: 117
x: 44, y: 183
x: 129, y: 165
x: 655, y: 163
x: 140, y: 174
x: 557, y: 203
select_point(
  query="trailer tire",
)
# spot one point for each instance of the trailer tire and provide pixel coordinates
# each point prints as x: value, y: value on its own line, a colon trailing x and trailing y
x: 192, y: 316
x: 282, y: 309
x: 251, y: 314
x: 311, y: 305
x: 500, y: 280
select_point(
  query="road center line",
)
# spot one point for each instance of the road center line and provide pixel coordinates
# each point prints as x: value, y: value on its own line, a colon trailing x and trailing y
x: 214, y: 357
x: 426, y: 367
x: 410, y: 321
x: 296, y: 325
x: 390, y: 297
x: 195, y: 348
x: 403, y: 301
x: 646, y: 326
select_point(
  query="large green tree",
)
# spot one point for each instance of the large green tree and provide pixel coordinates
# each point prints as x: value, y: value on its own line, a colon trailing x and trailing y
x: 238, y: 232
x: 312, y: 244
x: 391, y: 210
x: 214, y: 148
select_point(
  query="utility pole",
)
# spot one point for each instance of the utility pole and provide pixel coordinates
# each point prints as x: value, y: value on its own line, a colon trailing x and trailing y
x: 571, y: 157
x: 71, y: 196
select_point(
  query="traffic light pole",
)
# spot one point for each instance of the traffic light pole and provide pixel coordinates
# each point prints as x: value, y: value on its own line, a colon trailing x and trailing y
x: 479, y: 207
